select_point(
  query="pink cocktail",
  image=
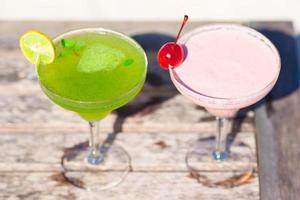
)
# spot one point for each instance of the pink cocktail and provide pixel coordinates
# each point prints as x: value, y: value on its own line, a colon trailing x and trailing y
x: 227, y: 67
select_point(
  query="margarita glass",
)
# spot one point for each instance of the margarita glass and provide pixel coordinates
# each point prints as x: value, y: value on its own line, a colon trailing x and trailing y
x: 226, y: 67
x: 95, y: 71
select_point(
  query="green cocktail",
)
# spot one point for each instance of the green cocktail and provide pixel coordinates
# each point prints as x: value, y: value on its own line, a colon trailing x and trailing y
x: 94, y: 72
x: 91, y: 72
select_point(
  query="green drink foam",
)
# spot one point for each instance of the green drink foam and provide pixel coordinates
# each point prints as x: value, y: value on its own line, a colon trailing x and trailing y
x: 100, y: 57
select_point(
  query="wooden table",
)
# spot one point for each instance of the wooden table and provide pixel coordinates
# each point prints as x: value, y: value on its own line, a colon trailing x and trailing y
x: 156, y: 129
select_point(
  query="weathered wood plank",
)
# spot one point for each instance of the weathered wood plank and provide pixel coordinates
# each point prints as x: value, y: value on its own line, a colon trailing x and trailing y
x: 160, y: 152
x: 277, y: 122
x: 278, y: 151
x: 31, y: 110
x: 146, y: 186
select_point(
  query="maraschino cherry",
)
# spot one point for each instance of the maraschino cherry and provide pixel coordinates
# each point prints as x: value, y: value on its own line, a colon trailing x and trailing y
x: 171, y: 54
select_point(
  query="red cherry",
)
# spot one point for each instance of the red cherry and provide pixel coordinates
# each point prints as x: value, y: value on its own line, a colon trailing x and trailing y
x: 170, y: 55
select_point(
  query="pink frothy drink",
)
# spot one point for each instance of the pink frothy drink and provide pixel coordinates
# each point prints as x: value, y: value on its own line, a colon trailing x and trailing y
x: 227, y: 67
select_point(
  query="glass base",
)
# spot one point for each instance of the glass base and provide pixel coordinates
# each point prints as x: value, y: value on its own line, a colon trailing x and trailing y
x: 232, y: 168
x: 111, y: 169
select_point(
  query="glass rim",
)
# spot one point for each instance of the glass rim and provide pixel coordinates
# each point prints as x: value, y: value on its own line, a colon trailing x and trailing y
x: 102, y: 30
x: 238, y: 27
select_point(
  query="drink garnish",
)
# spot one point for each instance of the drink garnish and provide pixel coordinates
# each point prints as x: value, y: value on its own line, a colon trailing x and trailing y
x: 171, y: 54
x: 70, y: 46
x: 67, y: 43
x: 37, y: 47
x: 128, y: 62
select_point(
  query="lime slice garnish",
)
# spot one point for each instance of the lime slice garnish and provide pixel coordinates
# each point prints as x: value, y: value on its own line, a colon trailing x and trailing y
x: 37, y: 47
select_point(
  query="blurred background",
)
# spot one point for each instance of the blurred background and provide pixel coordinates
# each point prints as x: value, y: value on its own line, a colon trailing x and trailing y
x: 167, y: 10
x: 207, y: 10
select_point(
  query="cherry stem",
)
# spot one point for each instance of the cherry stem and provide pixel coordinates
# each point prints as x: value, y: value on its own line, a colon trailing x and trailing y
x: 182, y: 25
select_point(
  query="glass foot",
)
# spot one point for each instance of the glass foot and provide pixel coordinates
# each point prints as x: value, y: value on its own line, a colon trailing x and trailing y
x: 232, y: 168
x: 108, y: 171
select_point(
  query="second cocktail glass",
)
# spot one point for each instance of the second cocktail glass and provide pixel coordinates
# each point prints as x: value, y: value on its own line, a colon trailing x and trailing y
x: 226, y: 67
x: 95, y: 71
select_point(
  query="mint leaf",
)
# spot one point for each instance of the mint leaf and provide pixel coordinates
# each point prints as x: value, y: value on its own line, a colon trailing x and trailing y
x: 79, y: 45
x: 128, y: 62
x: 68, y: 43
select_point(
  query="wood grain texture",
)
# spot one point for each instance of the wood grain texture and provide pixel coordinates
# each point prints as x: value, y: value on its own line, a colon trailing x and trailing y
x: 147, y: 186
x: 30, y: 168
x: 277, y: 123
x: 149, y: 152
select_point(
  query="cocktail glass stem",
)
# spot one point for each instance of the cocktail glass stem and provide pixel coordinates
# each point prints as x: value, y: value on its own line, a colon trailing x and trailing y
x: 220, y: 153
x: 94, y: 156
